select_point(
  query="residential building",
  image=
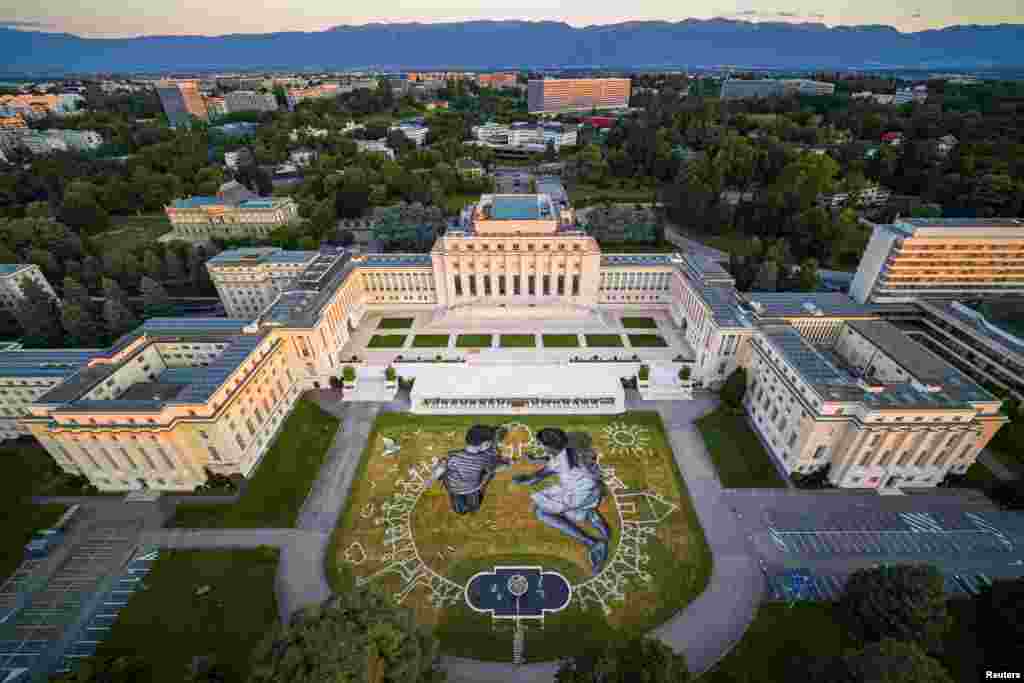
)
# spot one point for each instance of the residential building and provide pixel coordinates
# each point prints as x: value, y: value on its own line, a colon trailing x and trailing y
x: 470, y: 168
x: 498, y: 80
x: 199, y: 219
x: 12, y: 282
x: 375, y: 147
x: 941, y: 258
x: 33, y: 106
x: 237, y: 129
x: 182, y: 101
x: 734, y: 89
x: 416, y: 133
x: 216, y: 107
x: 309, y: 132
x: 12, y: 123
x: 872, y: 195
x: 296, y: 95
x: 906, y: 95
x: 803, y: 86
x: 302, y: 157
x: 238, y: 158
x: 558, y: 95
x: 946, y: 144
x: 79, y: 140
x: 249, y: 279
x: 249, y: 100
x: 25, y: 375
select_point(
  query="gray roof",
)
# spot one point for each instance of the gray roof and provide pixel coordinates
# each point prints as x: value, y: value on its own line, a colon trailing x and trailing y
x: 44, y: 363
x: 991, y: 330
x: 806, y: 304
x: 811, y: 363
x: 301, y: 303
x: 211, y: 377
x: 635, y: 260
x: 921, y: 363
x: 10, y: 268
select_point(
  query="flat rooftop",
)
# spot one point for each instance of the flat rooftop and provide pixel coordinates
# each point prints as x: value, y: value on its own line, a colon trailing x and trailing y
x: 507, y: 207
x: 924, y: 365
x: 42, y: 363
x: 515, y: 381
x: 805, y: 305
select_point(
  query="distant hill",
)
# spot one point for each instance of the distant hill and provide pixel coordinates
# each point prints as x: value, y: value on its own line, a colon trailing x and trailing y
x: 489, y: 44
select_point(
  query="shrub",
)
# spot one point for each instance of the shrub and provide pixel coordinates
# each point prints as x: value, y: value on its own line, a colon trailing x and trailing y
x: 390, y: 374
x: 349, y: 373
x: 645, y: 372
x: 684, y: 373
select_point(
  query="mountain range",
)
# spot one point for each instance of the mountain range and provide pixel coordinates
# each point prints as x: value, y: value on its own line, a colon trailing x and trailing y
x: 544, y: 44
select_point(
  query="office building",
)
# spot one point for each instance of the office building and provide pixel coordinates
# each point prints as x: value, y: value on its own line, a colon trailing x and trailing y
x: 872, y: 195
x: 249, y: 279
x: 182, y: 101
x: 12, y: 282
x: 531, y: 136
x: 248, y: 100
x: 375, y: 147
x: 233, y: 213
x: 803, y: 86
x: 558, y: 95
x: 498, y: 80
x: 942, y: 258
x: 734, y: 89
x: 416, y: 133
x: 25, y: 375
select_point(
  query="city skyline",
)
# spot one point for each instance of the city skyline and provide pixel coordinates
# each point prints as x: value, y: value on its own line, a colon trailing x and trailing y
x: 179, y: 17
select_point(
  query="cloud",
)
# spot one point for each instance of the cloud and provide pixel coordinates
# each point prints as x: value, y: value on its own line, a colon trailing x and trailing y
x: 771, y: 13
x: 816, y: 15
x: 916, y: 15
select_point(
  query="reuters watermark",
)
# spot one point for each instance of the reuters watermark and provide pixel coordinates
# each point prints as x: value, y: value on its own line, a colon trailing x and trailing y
x: 1002, y: 675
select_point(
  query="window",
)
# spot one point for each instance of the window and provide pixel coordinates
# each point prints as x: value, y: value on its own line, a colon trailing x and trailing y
x: 249, y: 425
x: 819, y: 452
x: 515, y: 285
x: 546, y: 280
x: 886, y: 457
x: 472, y: 285
x: 576, y: 282
x: 239, y: 441
x: 487, y: 285
x: 531, y: 281
x: 214, y: 454
x: 920, y: 459
x: 501, y: 285
x: 458, y: 286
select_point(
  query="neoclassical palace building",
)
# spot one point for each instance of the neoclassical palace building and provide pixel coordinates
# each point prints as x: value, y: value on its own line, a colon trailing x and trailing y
x: 514, y: 311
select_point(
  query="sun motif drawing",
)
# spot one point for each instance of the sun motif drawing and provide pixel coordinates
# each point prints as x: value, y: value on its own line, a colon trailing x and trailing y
x: 627, y: 439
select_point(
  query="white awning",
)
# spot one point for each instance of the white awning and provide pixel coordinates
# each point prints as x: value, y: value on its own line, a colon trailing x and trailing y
x: 451, y: 380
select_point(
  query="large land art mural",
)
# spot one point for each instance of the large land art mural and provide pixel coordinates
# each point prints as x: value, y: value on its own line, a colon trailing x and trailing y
x: 592, y: 508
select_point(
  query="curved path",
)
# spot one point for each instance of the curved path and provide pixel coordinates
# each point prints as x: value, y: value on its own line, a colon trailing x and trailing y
x: 704, y: 631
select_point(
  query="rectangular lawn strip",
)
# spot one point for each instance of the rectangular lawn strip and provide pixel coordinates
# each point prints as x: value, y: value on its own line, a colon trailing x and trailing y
x: 647, y: 340
x: 603, y: 340
x: 640, y: 323
x: 778, y: 639
x: 679, y: 558
x: 394, y: 323
x: 430, y: 341
x: 518, y: 341
x: 386, y: 341
x: 560, y: 341
x: 282, y: 480
x: 739, y: 457
x: 167, y: 623
x: 473, y: 340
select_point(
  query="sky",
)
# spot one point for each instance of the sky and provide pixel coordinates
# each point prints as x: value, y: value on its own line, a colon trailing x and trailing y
x: 119, y: 18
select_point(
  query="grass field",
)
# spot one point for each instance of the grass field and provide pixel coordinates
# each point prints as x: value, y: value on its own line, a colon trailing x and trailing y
x: 639, y: 323
x: 453, y: 204
x: 560, y: 341
x: 738, y: 455
x: 642, y: 341
x: 167, y: 624
x: 282, y: 481
x: 386, y: 341
x: 473, y: 340
x: 131, y: 232
x: 27, y: 471
x: 430, y: 341
x: 582, y: 194
x: 518, y: 341
x: 394, y: 323
x: 603, y: 340
x: 505, y: 531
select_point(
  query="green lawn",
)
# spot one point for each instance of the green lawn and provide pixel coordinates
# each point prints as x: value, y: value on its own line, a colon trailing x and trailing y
x: 167, y: 624
x: 647, y: 340
x: 131, y: 232
x: 560, y: 341
x: 386, y: 341
x: 599, y: 340
x: 473, y: 341
x: 623, y: 192
x: 738, y: 455
x: 281, y: 482
x: 453, y: 204
x: 610, y: 247
x: 422, y: 341
x: 776, y: 641
x: 394, y: 323
x: 518, y: 341
x: 647, y: 323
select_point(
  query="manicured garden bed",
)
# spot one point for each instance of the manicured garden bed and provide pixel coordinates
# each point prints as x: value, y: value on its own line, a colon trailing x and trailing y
x: 281, y: 482
x: 168, y: 622
x: 647, y: 341
x: 394, y: 323
x: 518, y: 341
x: 473, y: 341
x: 603, y: 340
x: 560, y: 341
x: 386, y: 341
x: 639, y: 323
x: 430, y: 341
x: 739, y: 457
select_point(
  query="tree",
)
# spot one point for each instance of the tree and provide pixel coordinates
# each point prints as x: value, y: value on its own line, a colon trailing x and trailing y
x: 80, y: 325
x: 733, y: 391
x: 888, y: 661
x: 807, y: 277
x: 905, y: 602
x: 82, y: 212
x: 643, y: 660
x: 1000, y: 623
x: 154, y: 298
x: 116, y: 313
x: 355, y: 636
x: 767, y: 279
x: 38, y: 313
x: 152, y: 265
x: 109, y: 670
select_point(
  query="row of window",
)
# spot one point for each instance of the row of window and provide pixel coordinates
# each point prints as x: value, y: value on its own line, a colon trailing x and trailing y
x: 516, y: 281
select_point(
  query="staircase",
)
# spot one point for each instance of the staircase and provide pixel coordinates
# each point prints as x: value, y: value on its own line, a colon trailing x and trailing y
x: 371, y: 385
x: 664, y: 384
x: 518, y: 645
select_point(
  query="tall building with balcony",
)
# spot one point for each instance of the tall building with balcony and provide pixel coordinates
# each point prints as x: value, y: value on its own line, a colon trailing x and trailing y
x: 12, y: 282
x: 558, y: 95
x: 249, y: 279
x: 182, y: 101
x: 941, y: 258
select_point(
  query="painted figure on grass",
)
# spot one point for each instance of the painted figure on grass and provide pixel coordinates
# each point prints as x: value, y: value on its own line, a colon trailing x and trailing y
x: 575, y: 499
x: 467, y: 472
